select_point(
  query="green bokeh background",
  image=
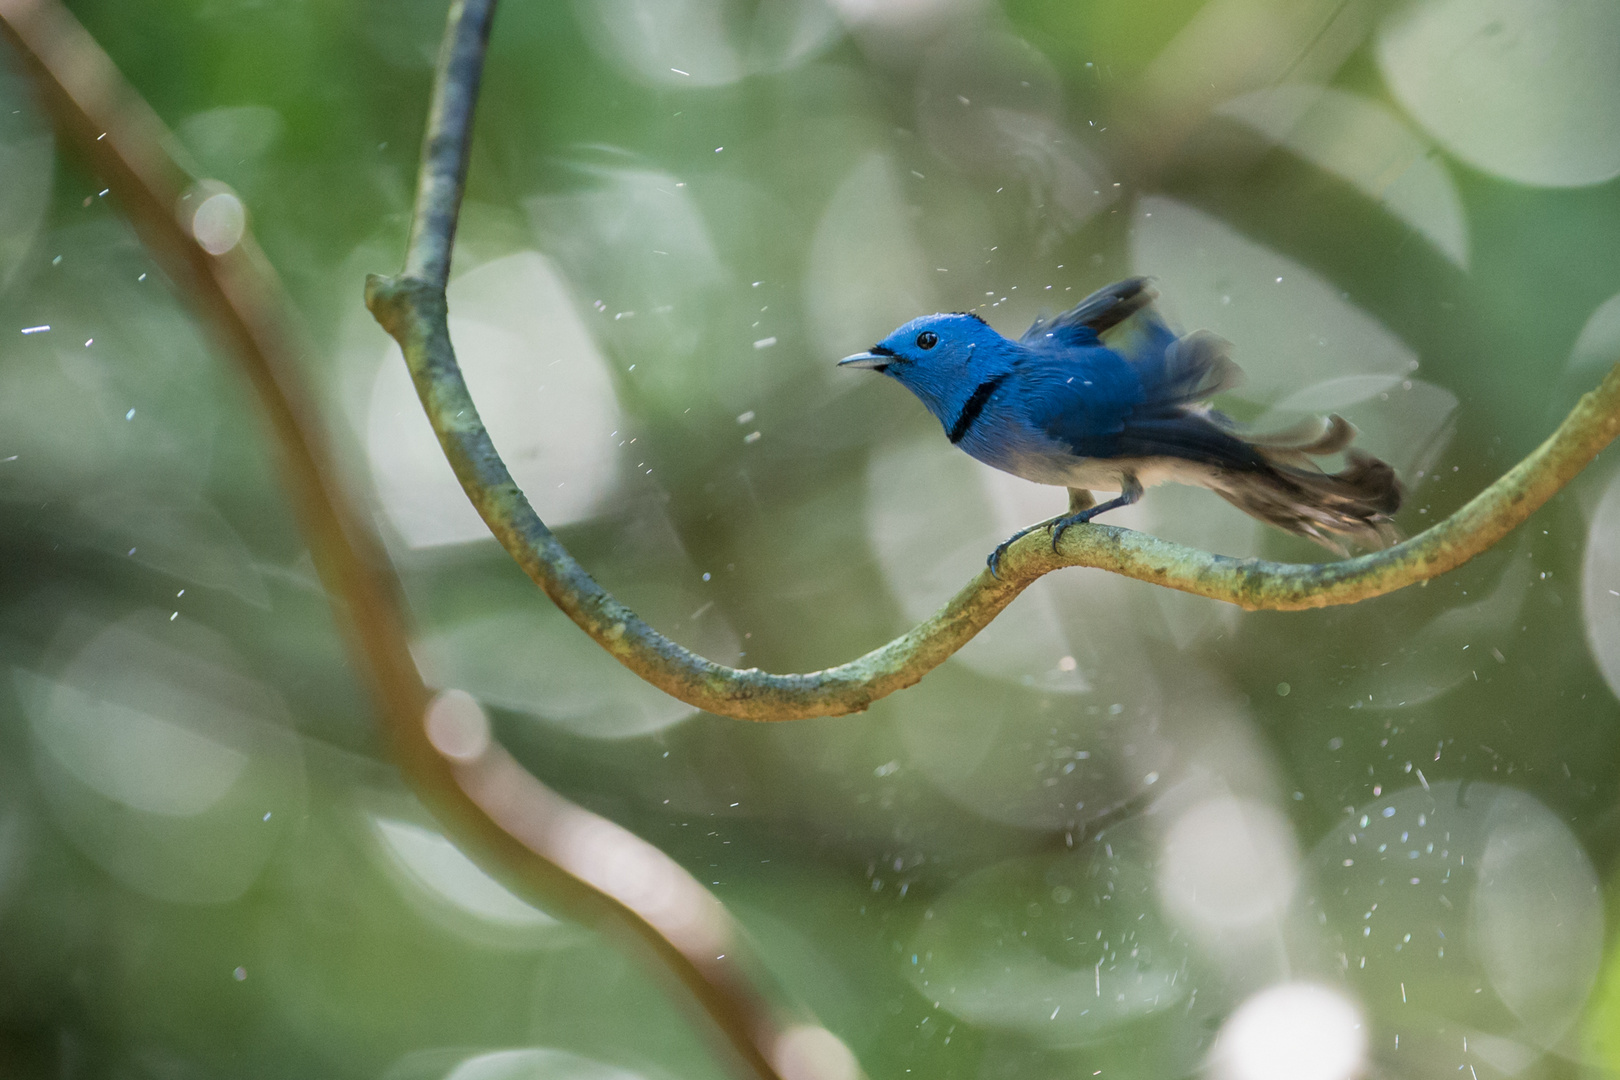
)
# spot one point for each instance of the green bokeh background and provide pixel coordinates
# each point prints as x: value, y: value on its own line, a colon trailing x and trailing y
x: 806, y: 182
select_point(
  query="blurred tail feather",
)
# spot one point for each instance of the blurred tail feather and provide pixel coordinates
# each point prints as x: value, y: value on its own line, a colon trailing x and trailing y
x: 1354, y: 504
x: 1315, y: 435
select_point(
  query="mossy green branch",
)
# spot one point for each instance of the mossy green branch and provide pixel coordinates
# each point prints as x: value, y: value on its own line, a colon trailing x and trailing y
x: 414, y: 313
x: 412, y: 308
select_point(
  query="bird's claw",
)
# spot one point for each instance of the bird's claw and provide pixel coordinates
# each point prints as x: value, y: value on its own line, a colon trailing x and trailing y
x: 995, y: 556
x: 994, y: 560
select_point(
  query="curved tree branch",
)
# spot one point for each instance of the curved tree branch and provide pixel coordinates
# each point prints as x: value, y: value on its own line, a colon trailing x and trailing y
x: 413, y: 309
x: 539, y: 843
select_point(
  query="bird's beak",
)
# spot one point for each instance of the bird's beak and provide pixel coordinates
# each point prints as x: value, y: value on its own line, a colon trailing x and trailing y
x: 866, y: 360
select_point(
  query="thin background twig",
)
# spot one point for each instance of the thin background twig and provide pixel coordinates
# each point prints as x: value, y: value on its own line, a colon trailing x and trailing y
x: 514, y: 827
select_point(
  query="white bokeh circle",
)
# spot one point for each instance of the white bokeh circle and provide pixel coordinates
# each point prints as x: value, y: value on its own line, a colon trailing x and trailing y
x: 1528, y: 90
x: 1295, y: 1031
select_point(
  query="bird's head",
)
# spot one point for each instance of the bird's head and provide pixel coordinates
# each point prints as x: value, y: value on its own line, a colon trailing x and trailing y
x: 935, y: 355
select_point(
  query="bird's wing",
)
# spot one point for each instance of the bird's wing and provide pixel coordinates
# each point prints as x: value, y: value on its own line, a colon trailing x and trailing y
x: 1180, y: 371
x: 1172, y: 370
x: 1103, y: 405
x: 1084, y: 323
x: 1138, y: 398
x: 1189, y: 435
x: 1081, y: 397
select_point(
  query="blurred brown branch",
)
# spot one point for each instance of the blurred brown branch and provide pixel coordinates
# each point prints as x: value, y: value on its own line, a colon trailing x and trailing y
x: 412, y: 307
x: 520, y: 831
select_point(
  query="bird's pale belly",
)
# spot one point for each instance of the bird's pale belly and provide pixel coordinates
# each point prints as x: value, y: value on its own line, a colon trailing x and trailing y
x: 1107, y: 474
x: 1045, y: 461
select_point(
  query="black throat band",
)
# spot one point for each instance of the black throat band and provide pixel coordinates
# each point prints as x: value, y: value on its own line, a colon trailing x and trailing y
x: 975, y: 405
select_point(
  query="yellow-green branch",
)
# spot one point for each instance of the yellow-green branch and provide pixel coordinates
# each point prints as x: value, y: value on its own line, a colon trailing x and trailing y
x: 412, y: 308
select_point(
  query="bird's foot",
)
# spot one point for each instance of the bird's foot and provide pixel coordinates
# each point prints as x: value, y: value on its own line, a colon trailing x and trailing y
x: 1082, y: 510
x: 1062, y: 524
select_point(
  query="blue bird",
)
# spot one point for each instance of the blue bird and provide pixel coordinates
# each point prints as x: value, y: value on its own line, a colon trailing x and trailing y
x: 1059, y: 406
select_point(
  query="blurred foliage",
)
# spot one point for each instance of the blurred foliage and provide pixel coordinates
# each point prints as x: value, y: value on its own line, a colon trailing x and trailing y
x: 1080, y: 846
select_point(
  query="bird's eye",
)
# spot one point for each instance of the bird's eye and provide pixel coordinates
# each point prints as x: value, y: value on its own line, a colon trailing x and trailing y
x: 927, y: 339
